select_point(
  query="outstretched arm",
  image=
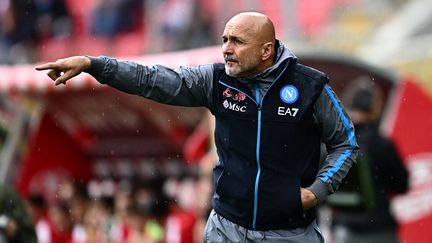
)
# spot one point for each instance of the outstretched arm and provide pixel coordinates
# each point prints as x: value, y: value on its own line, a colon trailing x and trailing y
x: 183, y: 86
x: 64, y: 69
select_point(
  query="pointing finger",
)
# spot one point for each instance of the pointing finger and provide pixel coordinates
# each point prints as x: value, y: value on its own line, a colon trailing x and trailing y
x: 50, y: 65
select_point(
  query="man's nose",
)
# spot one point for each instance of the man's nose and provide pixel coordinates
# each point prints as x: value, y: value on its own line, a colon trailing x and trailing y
x: 227, y: 48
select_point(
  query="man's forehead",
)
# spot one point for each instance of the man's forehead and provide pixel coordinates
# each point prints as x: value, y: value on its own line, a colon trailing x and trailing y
x: 238, y: 29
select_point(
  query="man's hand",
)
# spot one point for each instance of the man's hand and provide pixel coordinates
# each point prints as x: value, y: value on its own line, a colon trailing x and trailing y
x: 308, y: 198
x: 64, y: 69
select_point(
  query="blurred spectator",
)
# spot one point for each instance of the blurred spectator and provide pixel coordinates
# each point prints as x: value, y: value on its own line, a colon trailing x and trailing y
x: 112, y: 17
x: 61, y: 223
x: 53, y: 19
x: 137, y: 220
x: 183, y: 25
x: 203, y: 194
x: 179, y: 224
x: 78, y: 203
x: 36, y: 209
x: 200, y: 32
x: 17, y: 31
x: 154, y: 227
x: 15, y: 225
x: 176, y: 17
x: 122, y: 202
x: 100, y: 220
x: 361, y: 206
x: 200, y: 146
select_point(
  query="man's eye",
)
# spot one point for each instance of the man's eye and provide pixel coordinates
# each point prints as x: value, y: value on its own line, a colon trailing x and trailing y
x: 224, y: 40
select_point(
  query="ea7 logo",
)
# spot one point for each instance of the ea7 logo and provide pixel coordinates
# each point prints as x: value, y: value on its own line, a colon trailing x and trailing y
x: 233, y: 106
x: 287, y: 111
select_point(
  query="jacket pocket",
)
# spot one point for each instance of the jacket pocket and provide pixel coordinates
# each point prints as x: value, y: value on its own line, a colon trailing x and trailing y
x: 233, y: 185
x: 280, y: 200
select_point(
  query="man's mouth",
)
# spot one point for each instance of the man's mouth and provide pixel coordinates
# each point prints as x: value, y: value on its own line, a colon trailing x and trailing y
x: 230, y: 62
x: 228, y: 59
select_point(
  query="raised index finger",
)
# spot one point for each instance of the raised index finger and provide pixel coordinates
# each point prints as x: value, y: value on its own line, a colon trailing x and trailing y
x: 49, y: 65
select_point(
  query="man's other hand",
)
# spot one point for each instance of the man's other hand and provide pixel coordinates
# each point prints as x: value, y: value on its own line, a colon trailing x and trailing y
x: 308, y: 199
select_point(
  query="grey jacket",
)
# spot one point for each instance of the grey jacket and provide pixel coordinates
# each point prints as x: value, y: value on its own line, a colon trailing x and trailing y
x: 192, y: 86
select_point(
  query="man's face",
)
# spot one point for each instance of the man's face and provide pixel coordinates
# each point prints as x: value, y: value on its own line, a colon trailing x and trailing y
x: 241, y: 50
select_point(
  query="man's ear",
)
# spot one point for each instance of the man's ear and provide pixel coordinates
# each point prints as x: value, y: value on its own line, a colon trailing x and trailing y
x: 266, y: 51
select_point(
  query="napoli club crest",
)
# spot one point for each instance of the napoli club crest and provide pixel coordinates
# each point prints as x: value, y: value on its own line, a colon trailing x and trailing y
x: 289, y: 94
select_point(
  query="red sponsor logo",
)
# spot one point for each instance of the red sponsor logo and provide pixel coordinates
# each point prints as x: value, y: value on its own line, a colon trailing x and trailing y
x: 236, y: 96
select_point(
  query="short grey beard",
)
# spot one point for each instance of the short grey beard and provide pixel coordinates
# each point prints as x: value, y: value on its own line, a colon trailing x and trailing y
x: 230, y: 74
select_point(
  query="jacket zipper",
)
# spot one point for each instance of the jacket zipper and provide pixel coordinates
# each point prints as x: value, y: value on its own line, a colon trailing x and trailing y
x: 257, y: 151
x: 258, y: 103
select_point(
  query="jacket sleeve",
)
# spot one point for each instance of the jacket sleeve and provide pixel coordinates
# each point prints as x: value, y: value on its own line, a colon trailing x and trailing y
x: 338, y: 136
x: 184, y: 86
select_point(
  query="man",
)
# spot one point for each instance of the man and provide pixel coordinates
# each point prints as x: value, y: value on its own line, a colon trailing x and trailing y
x: 271, y: 116
x: 379, y: 174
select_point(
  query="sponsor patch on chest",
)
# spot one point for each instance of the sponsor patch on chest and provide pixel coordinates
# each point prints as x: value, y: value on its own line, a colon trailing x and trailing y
x: 234, y: 100
x: 234, y: 106
x: 287, y: 111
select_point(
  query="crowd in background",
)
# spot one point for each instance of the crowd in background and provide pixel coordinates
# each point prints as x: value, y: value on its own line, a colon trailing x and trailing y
x: 43, y: 30
x: 26, y: 23
x: 166, y: 209
x: 34, y: 30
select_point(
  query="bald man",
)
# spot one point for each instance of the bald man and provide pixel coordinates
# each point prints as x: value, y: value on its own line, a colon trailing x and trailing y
x: 272, y: 114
